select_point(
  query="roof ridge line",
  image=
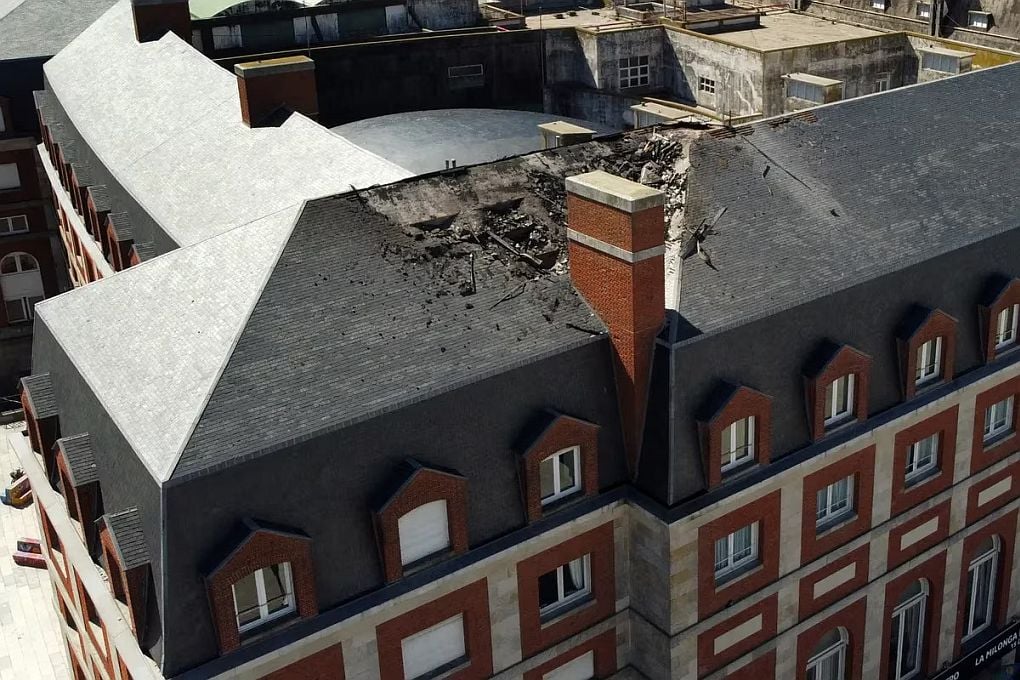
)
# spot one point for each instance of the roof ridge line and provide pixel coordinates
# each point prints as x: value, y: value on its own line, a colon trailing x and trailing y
x: 233, y: 344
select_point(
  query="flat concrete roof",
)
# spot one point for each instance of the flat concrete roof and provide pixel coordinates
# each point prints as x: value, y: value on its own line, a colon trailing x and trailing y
x: 785, y: 29
x: 581, y: 18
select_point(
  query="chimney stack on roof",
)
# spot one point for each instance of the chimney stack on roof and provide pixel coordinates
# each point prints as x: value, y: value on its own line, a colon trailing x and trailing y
x: 272, y: 84
x: 616, y: 245
x: 155, y: 18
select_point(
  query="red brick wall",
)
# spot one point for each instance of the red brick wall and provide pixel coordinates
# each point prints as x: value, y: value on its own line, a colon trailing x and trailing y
x: 599, y: 544
x: 981, y: 457
x: 898, y: 555
x: 807, y: 602
x: 262, y: 94
x: 562, y: 433
x: 862, y: 466
x: 1005, y: 528
x: 603, y: 647
x: 709, y: 661
x: 975, y: 511
x: 845, y: 361
x: 934, y: 571
x: 1009, y: 295
x: 633, y: 232
x: 943, y: 423
x: 851, y: 619
x: 939, y: 324
x: 261, y: 549
x: 325, y: 665
x: 743, y: 403
x: 152, y: 21
x: 766, y: 511
x: 128, y: 586
x: 424, y: 487
x: 762, y: 668
x: 472, y: 601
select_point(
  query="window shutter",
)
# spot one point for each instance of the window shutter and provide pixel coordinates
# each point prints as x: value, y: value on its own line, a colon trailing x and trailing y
x: 9, y: 178
x: 423, y: 531
x: 23, y: 284
x: 433, y: 648
x: 581, y: 668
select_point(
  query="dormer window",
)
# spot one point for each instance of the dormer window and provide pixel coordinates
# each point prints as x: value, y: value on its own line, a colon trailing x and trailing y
x: 263, y: 595
x: 880, y: 5
x: 738, y: 444
x: 979, y: 20
x: 559, y: 475
x: 1006, y: 327
x: 424, y: 531
x: 839, y: 400
x: 923, y: 10
x: 929, y: 361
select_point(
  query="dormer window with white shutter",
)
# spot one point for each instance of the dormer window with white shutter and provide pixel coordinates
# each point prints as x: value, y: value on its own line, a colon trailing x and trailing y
x: 424, y: 532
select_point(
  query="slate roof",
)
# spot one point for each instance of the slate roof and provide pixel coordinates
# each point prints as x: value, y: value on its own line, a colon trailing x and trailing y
x: 853, y: 191
x: 128, y: 539
x: 165, y: 121
x: 39, y: 389
x: 81, y: 464
x: 41, y: 28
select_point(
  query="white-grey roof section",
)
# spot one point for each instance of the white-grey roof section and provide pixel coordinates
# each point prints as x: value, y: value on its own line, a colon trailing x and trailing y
x: 166, y: 122
x: 152, y: 341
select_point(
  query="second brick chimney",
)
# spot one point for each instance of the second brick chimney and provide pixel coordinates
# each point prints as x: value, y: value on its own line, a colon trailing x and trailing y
x: 155, y: 18
x: 271, y: 84
x: 615, y: 241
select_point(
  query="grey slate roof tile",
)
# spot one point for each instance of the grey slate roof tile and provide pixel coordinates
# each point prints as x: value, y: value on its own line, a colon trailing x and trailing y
x: 100, y: 197
x: 39, y: 389
x: 81, y: 464
x: 41, y: 28
x: 128, y: 539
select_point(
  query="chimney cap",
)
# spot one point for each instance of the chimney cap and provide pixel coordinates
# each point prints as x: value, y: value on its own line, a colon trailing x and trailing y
x: 268, y: 67
x: 616, y: 192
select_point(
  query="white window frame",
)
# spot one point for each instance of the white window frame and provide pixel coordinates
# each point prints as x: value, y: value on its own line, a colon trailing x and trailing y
x: 980, y: 20
x: 227, y: 37
x: 634, y: 71
x: 833, y: 415
x: 836, y: 651
x: 706, y: 85
x: 923, y: 10
x: 941, y: 63
x: 883, y: 84
x: 287, y: 579
x: 916, y: 469
x: 929, y: 361
x: 829, y: 514
x: 737, y: 457
x: 731, y: 563
x: 558, y: 490
x: 1006, y: 327
x: 461, y: 650
x: 995, y: 426
x: 989, y: 559
x: 805, y: 91
x: 880, y: 4
x: 564, y: 601
x: 7, y: 224
x: 919, y: 600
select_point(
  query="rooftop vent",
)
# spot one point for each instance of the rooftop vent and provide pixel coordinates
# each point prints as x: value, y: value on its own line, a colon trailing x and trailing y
x: 155, y: 18
x: 266, y: 87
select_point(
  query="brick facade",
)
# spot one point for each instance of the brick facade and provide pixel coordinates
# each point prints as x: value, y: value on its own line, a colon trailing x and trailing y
x: 756, y: 624
x: 742, y: 402
x: 325, y: 665
x: 832, y: 582
x: 563, y: 432
x: 603, y: 648
x: 841, y: 361
x: 1006, y: 295
x: 981, y: 455
x: 943, y: 424
x: 1005, y: 529
x: 933, y: 571
x: 852, y: 620
x: 861, y: 466
x: 936, y: 324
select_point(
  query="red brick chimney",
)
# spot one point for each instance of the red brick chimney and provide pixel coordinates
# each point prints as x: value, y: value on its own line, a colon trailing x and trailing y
x: 615, y: 240
x: 154, y: 18
x: 271, y: 84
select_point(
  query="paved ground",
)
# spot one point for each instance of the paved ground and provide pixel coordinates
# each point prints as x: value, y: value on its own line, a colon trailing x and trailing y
x: 30, y: 642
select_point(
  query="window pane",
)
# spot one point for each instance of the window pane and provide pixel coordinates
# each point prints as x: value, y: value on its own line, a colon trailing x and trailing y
x: 573, y: 577
x: 727, y: 444
x: 277, y: 587
x: 548, y: 590
x: 567, y: 471
x: 822, y: 503
x: 722, y: 553
x: 246, y: 600
x: 742, y: 543
x: 829, y: 398
x: 546, y: 474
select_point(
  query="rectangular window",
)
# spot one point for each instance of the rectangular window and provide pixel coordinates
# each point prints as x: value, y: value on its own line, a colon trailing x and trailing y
x: 264, y: 595
x: 581, y: 668
x: 1006, y: 326
x: 839, y: 400
x: 879, y: 5
x: 633, y: 72
x: 883, y: 84
x: 999, y: 419
x: 736, y: 551
x: 979, y: 20
x: 980, y: 592
x: 923, y: 10
x: 929, y: 361
x: 559, y: 475
x: 423, y: 531
x: 799, y: 89
x: 706, y: 85
x: 944, y: 63
x: 564, y: 586
x: 922, y: 459
x: 3, y: 122
x: 317, y: 28
x: 738, y: 443
x: 227, y: 37
x: 21, y: 309
x: 835, y: 502
x: 434, y: 650
x: 469, y: 71
x: 15, y: 224
x: 9, y: 178
x: 906, y: 638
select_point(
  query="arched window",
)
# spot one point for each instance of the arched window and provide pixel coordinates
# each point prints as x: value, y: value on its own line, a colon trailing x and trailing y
x: 907, y: 637
x: 981, y: 586
x: 828, y: 659
x: 21, y: 285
